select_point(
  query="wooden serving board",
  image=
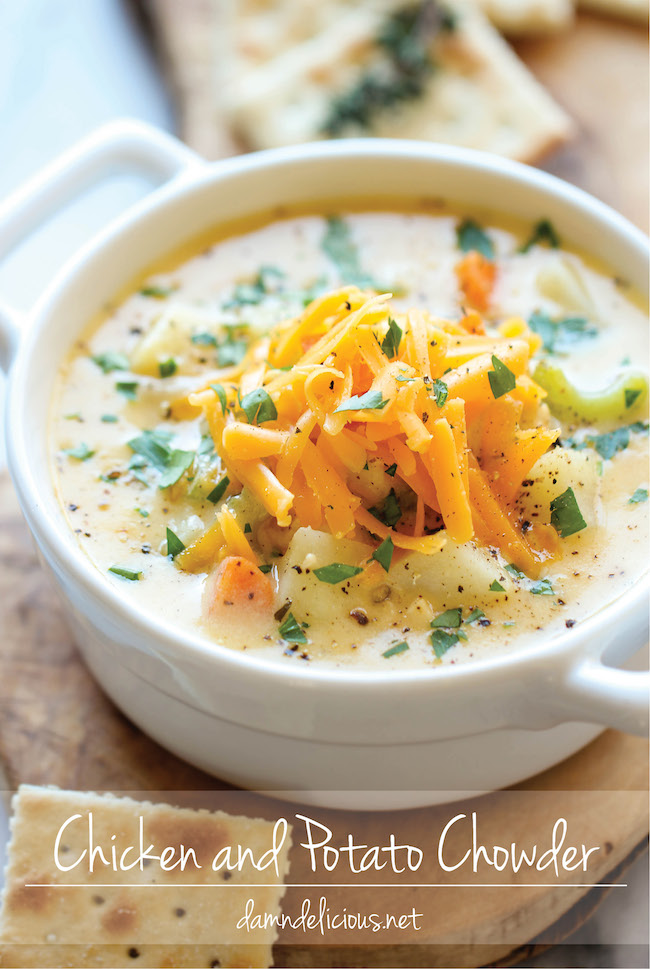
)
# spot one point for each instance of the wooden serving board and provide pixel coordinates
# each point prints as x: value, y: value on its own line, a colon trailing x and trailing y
x: 57, y: 727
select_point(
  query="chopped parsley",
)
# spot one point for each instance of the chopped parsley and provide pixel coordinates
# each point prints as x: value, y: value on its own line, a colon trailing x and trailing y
x: 80, y: 453
x: 640, y: 495
x: 395, y: 650
x: 371, y: 400
x: 154, y: 447
x: 441, y: 640
x: 543, y: 232
x: 543, y: 587
x: 384, y: 553
x: 447, y: 620
x: 440, y: 392
x: 258, y: 406
x: 566, y: 517
x: 336, y: 572
x: 291, y: 630
x: 496, y: 587
x: 125, y: 573
x: 390, y: 343
x: 111, y: 360
x: 167, y: 368
x: 391, y: 470
x: 631, y: 396
x: 174, y: 544
x: 156, y: 292
x: 142, y: 512
x: 221, y: 394
x: 219, y: 490
x: 515, y: 572
x: 128, y: 388
x: 471, y: 237
x: 204, y: 340
x: 231, y: 351
x: 502, y: 380
x: 265, y: 568
x: 339, y: 247
x: 607, y: 445
x: 561, y: 335
x: 390, y: 512
x: 251, y: 294
x: 474, y: 616
x: 109, y: 419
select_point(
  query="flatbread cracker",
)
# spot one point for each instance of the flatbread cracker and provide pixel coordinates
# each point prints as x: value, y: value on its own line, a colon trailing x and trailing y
x: 478, y: 93
x: 529, y: 16
x: 146, y: 916
x: 630, y: 9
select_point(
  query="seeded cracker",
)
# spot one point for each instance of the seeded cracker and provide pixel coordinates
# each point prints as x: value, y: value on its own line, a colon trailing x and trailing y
x: 631, y: 9
x: 458, y: 83
x: 138, y: 927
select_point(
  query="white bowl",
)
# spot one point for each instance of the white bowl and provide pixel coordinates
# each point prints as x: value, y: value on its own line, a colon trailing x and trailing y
x: 425, y: 735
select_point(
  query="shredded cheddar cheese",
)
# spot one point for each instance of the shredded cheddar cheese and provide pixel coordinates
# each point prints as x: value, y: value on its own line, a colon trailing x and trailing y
x: 351, y: 382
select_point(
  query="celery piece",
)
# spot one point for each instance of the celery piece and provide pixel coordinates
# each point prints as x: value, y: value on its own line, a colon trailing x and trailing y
x: 568, y: 403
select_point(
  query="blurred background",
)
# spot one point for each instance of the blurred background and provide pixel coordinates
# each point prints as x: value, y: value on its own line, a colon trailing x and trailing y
x: 566, y: 89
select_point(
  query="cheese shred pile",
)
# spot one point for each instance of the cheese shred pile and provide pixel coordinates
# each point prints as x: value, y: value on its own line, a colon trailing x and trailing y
x: 449, y: 410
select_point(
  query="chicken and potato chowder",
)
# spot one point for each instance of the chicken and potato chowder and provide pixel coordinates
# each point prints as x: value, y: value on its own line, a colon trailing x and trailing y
x: 392, y: 439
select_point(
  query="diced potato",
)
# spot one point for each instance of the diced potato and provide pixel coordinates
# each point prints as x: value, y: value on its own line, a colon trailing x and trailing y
x: 561, y: 281
x: 169, y: 337
x: 313, y: 600
x: 557, y: 470
x: 455, y: 575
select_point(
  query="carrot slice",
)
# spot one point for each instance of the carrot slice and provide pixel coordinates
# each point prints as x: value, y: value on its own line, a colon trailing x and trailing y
x: 476, y: 277
x: 238, y: 584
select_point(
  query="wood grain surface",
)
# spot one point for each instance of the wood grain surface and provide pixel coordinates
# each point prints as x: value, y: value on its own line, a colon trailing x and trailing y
x: 57, y: 727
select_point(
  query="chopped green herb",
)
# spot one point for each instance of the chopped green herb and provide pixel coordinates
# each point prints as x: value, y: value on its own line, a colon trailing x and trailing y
x: 440, y: 391
x: 156, y: 292
x: 74, y: 417
x: 338, y: 245
x: 566, y: 517
x: 509, y: 623
x: 631, y: 396
x: 111, y: 360
x: 253, y: 293
x: 640, y: 495
x: 336, y: 572
x: 221, y: 394
x: 390, y: 512
x: 109, y: 418
x: 447, y: 620
x: 80, y: 453
x: 170, y: 462
x: 384, y: 553
x: 496, y: 587
x: 474, y: 616
x: 206, y: 446
x: 543, y: 587
x: 390, y: 343
x: 502, y: 380
x: 543, y: 232
x: 371, y: 400
x: 395, y: 650
x: 247, y: 529
x: 441, y: 640
x: 128, y: 388
x: 232, y: 351
x: 167, y: 368
x: 391, y: 470
x: 174, y: 544
x: 219, y: 490
x: 515, y: 572
x: 265, y: 568
x: 291, y: 630
x: 470, y: 236
x: 258, y: 407
x: 125, y: 573
x: 142, y: 512
x: 204, y: 339
x: 560, y: 336
x: 607, y: 445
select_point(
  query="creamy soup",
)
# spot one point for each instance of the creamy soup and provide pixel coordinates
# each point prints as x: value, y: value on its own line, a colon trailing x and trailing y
x: 378, y: 438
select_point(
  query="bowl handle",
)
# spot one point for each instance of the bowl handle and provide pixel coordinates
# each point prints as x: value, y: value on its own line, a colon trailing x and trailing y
x: 124, y: 145
x: 604, y: 694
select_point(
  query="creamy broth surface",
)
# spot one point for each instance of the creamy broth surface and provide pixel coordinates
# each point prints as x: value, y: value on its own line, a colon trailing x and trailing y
x: 121, y: 515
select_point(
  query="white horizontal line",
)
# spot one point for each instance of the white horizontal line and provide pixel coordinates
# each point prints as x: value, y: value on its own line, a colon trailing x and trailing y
x: 329, y: 885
